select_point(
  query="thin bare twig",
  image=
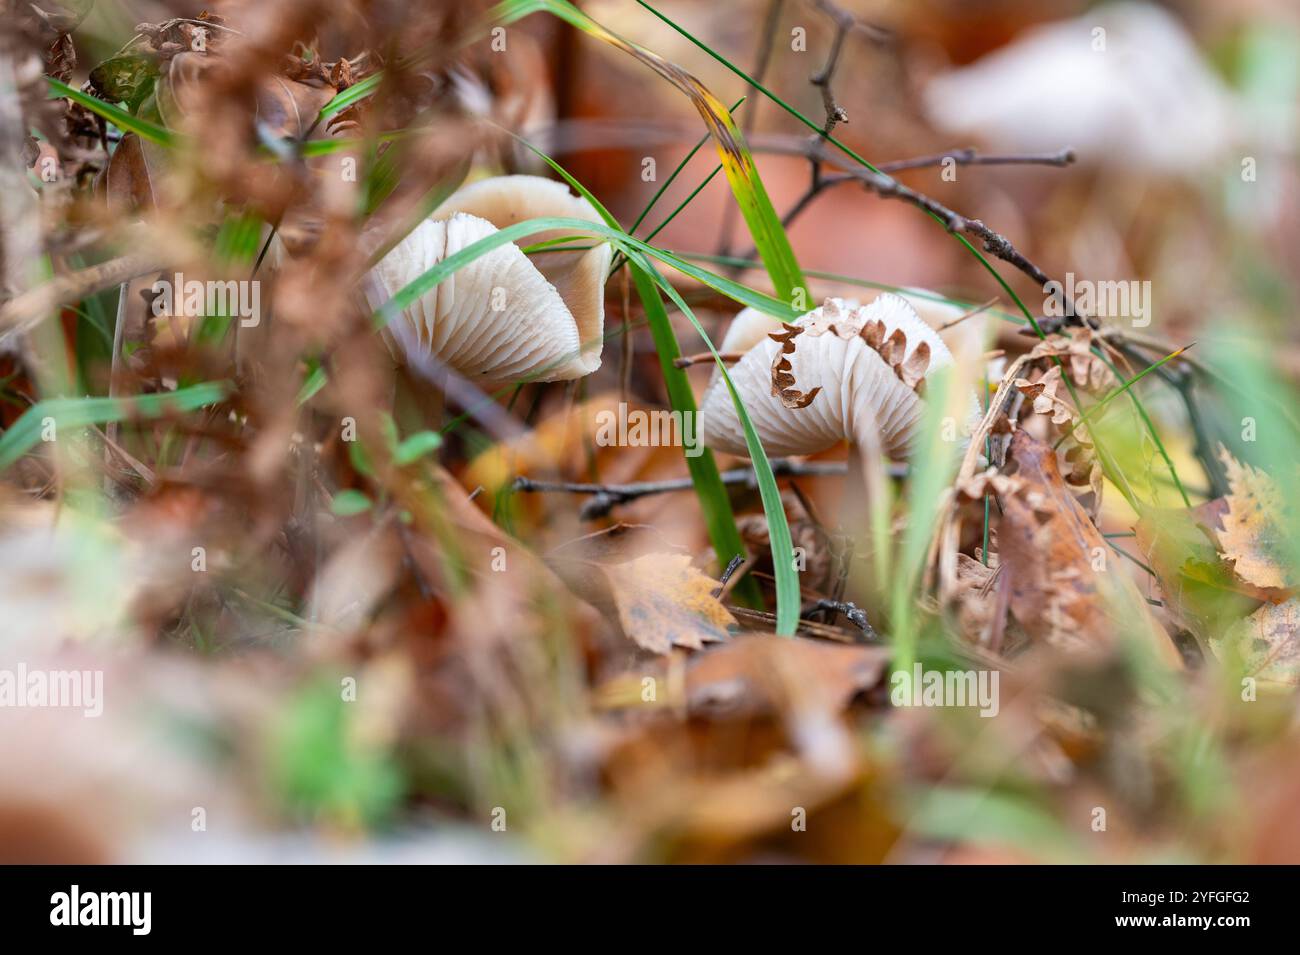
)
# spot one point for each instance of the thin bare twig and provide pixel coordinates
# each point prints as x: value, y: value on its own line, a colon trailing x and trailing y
x: 608, y: 496
x: 887, y: 187
x: 704, y: 357
x: 29, y: 309
x: 971, y: 157
x: 855, y: 614
x: 845, y: 22
x: 977, y: 310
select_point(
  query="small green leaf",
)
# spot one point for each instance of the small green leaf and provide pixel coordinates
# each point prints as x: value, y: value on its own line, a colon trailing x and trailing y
x: 353, y: 94
x: 316, y: 380
x: 360, y: 459
x: 350, y: 502
x: 416, y: 447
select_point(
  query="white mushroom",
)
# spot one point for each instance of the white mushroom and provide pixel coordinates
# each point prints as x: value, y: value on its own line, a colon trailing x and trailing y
x: 841, y: 372
x: 1124, y: 84
x: 964, y: 330
x: 506, y: 316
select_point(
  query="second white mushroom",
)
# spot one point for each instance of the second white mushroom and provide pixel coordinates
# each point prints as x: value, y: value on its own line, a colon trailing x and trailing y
x: 841, y: 372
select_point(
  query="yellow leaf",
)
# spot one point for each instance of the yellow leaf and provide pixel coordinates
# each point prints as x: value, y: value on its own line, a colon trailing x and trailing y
x: 664, y: 602
x: 1252, y: 526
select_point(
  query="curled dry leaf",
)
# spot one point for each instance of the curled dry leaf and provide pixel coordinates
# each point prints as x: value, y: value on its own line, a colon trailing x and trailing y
x: 990, y: 481
x: 1082, y: 471
x: 1047, y: 396
x: 1088, y: 371
x: 128, y: 181
x: 782, y: 378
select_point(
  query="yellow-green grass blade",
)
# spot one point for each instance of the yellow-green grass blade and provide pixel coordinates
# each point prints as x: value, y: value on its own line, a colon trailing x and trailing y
x: 764, y: 224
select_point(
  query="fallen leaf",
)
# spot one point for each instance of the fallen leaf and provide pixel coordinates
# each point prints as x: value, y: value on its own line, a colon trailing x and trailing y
x: 128, y: 180
x: 1197, y: 584
x: 976, y: 599
x: 1088, y: 371
x: 1267, y: 643
x: 1252, y: 535
x: 1068, y: 587
x: 760, y: 674
x: 662, y: 602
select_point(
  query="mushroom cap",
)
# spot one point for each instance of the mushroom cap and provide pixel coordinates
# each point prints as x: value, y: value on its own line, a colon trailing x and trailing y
x: 1148, y: 102
x: 861, y: 365
x: 965, y: 339
x: 505, y: 316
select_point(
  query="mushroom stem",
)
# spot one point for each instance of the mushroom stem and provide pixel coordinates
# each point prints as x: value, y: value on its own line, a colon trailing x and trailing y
x: 868, y: 471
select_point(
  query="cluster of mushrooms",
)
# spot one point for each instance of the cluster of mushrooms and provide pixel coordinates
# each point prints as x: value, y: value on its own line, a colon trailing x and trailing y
x: 841, y: 372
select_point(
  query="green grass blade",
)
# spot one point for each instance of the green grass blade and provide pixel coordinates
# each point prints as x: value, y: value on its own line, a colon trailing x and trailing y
x: 732, y: 261
x: 684, y: 203
x: 66, y: 413
x: 1151, y: 429
x: 114, y: 114
x: 703, y: 468
x: 751, y: 196
x: 1120, y: 389
x: 353, y: 94
x: 788, y: 596
x: 419, y: 286
x: 681, y: 166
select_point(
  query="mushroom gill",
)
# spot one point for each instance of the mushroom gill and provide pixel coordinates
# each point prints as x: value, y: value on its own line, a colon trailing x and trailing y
x: 841, y: 372
x: 506, y: 316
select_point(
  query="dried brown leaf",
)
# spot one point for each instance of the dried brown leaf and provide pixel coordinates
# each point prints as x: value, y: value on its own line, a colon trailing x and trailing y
x: 783, y: 383
x: 1067, y: 587
x: 663, y: 601
x: 759, y: 674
